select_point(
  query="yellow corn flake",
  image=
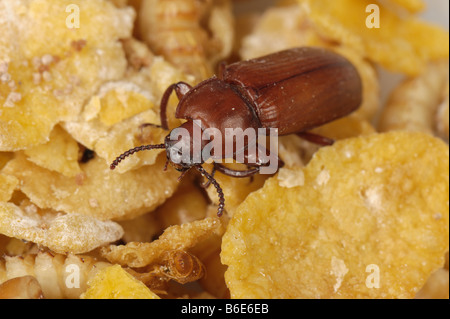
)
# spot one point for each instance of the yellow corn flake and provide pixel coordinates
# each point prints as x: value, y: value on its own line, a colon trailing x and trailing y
x: 59, y: 154
x: 113, y: 282
x: 5, y: 157
x: 297, y: 152
x: 436, y: 287
x: 115, y: 105
x: 177, y: 237
x: 186, y: 205
x: 371, y: 102
x: 277, y: 29
x: 350, y: 126
x: 402, y: 44
x: 61, y: 233
x: 110, y: 123
x: 51, y: 62
x: 8, y: 184
x: 97, y: 191
x: 162, y: 74
x: 121, y: 100
x: 281, y: 28
x: 235, y: 189
x: 110, y: 142
x: 412, y: 6
x: 370, y: 220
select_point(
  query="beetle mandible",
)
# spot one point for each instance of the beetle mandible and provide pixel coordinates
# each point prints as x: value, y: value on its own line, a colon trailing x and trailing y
x: 293, y: 91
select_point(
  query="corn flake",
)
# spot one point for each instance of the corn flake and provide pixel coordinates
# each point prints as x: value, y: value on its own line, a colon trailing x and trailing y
x: 412, y: 6
x: 59, y: 154
x: 437, y: 286
x: 113, y: 282
x: 281, y: 28
x: 399, y: 44
x: 98, y: 191
x: 8, y: 184
x: 177, y: 237
x: 51, y: 65
x: 61, y: 233
x: 186, y: 205
x: 5, y: 157
x: 369, y: 206
x: 235, y: 189
x: 346, y: 127
x: 110, y: 123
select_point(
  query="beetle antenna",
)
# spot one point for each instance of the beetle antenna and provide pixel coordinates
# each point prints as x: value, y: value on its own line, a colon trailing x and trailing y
x: 132, y: 151
x: 218, y: 188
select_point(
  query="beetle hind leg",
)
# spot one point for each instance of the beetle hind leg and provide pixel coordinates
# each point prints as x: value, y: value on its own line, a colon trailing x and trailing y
x: 316, y: 139
x: 144, y: 125
x: 236, y: 173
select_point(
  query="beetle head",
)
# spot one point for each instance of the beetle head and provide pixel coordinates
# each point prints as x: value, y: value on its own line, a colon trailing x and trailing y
x: 184, y: 146
x: 180, y: 151
x: 176, y: 156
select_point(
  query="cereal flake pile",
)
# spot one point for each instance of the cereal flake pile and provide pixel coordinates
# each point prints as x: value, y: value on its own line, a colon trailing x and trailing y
x: 367, y: 217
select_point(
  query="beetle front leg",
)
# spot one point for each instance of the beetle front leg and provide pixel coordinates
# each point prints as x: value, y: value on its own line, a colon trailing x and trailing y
x: 208, y: 182
x: 230, y: 172
x: 181, y: 88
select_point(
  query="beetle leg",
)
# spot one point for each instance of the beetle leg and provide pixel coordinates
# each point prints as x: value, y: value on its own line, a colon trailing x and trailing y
x: 149, y: 124
x: 208, y: 182
x: 181, y: 88
x: 236, y: 173
x: 252, y: 177
x: 218, y: 189
x: 254, y: 160
x: 315, y: 138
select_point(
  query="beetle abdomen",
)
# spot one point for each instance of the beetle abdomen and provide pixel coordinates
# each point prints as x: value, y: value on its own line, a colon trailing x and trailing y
x: 298, y: 89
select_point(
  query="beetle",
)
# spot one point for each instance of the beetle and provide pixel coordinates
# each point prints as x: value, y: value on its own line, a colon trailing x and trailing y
x: 294, y: 91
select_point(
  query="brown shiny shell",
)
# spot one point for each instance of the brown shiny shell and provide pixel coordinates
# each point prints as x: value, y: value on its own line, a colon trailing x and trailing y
x: 298, y: 89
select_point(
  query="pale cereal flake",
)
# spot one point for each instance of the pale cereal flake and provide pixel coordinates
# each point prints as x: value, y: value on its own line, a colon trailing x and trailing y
x: 373, y: 198
x: 339, y: 270
x: 379, y: 170
x: 290, y: 178
x: 47, y: 59
x: 323, y: 177
x: 93, y: 202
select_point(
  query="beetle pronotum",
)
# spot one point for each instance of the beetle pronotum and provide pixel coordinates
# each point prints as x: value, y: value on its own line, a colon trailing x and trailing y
x: 293, y: 91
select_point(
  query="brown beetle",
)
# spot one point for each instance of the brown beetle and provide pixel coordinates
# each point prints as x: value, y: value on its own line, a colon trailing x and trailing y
x: 293, y: 91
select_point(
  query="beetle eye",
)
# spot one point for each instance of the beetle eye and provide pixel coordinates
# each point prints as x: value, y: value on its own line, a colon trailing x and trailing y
x: 175, y: 155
